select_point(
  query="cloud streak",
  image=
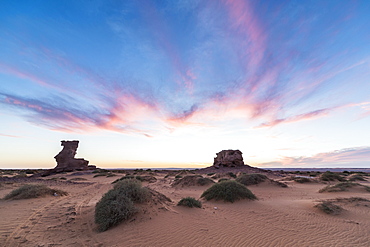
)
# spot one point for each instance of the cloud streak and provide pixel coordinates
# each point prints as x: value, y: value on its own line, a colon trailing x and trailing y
x: 348, y: 157
x: 216, y: 60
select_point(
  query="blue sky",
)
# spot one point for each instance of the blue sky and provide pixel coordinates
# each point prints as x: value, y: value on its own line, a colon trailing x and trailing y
x: 171, y: 83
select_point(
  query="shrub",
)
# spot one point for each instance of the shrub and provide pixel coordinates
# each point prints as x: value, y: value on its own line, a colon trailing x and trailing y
x: 356, y: 177
x: 278, y: 183
x: 178, y: 176
x: 231, y: 174
x: 302, y: 180
x: 112, y: 209
x: 204, y: 181
x: 190, y: 202
x: 117, y: 205
x: 251, y: 179
x: 228, y: 191
x: 192, y: 180
x: 342, y: 187
x: 223, y: 179
x: 33, y: 191
x: 331, y: 176
x: 123, y: 178
x: 100, y: 171
x: 100, y: 174
x: 329, y: 207
x: 132, y: 189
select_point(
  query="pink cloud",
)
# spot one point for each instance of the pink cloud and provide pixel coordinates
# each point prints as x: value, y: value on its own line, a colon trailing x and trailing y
x: 354, y: 157
x: 245, y: 23
x: 297, y: 118
x: 5, y: 135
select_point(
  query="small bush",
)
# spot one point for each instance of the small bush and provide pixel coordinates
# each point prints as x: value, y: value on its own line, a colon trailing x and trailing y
x: 33, y: 191
x: 112, y: 209
x: 123, y: 178
x: 100, y: 171
x: 190, y: 202
x: 21, y: 175
x: 231, y: 174
x: 192, y: 180
x: 356, y: 177
x: 132, y: 189
x: 228, y: 191
x: 302, y: 180
x: 331, y: 176
x: 278, y: 183
x: 223, y: 179
x: 251, y: 179
x: 100, y: 174
x: 117, y: 205
x: 178, y: 176
x: 342, y: 187
x: 329, y: 207
x: 204, y: 181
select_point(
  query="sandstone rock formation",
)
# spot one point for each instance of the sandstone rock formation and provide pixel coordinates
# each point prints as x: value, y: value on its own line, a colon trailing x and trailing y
x: 66, y: 157
x: 228, y: 158
x: 66, y: 161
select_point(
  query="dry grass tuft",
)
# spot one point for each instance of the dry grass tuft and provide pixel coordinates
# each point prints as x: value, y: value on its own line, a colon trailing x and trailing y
x: 28, y: 191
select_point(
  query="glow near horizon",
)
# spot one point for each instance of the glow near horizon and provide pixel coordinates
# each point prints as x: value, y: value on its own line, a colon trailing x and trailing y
x: 170, y: 83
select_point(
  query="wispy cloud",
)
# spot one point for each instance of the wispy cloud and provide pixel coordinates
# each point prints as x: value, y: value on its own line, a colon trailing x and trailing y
x: 300, y: 117
x: 63, y: 115
x: 12, y: 136
x: 350, y: 157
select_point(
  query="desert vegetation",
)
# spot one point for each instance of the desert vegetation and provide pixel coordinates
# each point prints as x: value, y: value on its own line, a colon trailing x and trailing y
x: 251, y: 179
x: 343, y: 186
x: 117, y: 205
x: 302, y: 180
x: 329, y: 207
x: 192, y: 180
x: 228, y: 191
x: 28, y: 191
x: 331, y: 176
x: 190, y: 202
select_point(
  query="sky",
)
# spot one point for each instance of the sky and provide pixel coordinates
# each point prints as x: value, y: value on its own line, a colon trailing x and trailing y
x: 165, y: 83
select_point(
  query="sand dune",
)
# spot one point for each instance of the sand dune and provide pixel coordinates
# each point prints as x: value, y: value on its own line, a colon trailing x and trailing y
x: 280, y: 217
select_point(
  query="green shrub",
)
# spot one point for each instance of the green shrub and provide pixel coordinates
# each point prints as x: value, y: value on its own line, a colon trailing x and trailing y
x: 210, y: 174
x: 112, y: 209
x: 329, y: 207
x: 228, y: 191
x: 356, y: 177
x: 331, y: 176
x: 21, y: 175
x: 231, y: 174
x: 223, y: 179
x: 100, y: 174
x: 178, y: 176
x: 117, y: 205
x: 33, y: 191
x: 342, y: 187
x: 192, y: 180
x: 190, y: 202
x: 100, y: 171
x: 132, y: 189
x: 123, y: 178
x: 302, y: 180
x: 204, y: 181
x: 251, y: 179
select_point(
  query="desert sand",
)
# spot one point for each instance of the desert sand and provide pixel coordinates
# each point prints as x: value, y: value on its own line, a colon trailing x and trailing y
x: 280, y: 216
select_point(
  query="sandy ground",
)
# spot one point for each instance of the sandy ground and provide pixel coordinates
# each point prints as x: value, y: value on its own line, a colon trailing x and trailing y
x: 281, y: 217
